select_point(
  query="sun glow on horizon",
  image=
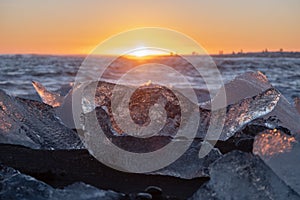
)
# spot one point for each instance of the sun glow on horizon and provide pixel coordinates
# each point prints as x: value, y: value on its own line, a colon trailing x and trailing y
x: 145, y: 52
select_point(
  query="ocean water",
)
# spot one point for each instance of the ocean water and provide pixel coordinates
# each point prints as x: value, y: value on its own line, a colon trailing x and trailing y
x: 57, y: 72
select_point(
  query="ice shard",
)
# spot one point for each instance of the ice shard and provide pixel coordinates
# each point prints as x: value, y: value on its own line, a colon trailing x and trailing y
x: 139, y: 107
x: 242, y: 86
x: 239, y: 175
x: 287, y: 115
x: 239, y: 114
x: 247, y: 110
x: 50, y: 98
x: 33, y: 124
x: 243, y: 139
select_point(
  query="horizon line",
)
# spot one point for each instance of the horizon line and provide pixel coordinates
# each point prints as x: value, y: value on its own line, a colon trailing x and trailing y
x: 162, y: 55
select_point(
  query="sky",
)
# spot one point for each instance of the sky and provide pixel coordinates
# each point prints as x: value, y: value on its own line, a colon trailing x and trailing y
x: 78, y: 26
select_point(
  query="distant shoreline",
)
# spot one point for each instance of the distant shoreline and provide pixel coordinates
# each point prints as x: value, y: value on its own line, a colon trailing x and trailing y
x: 274, y: 54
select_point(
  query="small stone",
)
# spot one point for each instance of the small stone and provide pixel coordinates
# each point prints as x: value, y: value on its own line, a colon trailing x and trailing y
x: 154, y: 190
x: 143, y: 196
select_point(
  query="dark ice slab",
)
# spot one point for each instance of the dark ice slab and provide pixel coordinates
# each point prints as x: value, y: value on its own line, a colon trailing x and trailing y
x: 189, y: 165
x: 240, y: 175
x: 15, y: 185
x: 33, y: 124
x: 60, y: 168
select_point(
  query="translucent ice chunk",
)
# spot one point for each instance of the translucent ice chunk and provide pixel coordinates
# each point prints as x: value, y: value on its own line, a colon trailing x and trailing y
x: 239, y: 175
x: 241, y: 113
x: 33, y: 124
x: 281, y: 152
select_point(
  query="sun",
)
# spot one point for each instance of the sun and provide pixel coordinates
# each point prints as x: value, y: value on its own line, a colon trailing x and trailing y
x: 146, y: 52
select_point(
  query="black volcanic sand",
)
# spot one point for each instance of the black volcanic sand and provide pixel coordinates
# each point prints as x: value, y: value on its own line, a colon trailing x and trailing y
x: 60, y: 168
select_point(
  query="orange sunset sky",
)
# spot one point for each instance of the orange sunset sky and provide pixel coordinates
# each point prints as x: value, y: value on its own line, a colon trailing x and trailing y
x: 77, y: 26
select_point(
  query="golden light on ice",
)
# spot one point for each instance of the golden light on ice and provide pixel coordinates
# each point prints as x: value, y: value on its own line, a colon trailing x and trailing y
x: 272, y: 142
x: 49, y: 98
